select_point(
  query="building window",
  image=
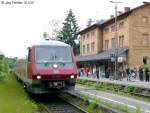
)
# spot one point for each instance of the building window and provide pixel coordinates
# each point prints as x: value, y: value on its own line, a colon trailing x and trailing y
x: 106, y: 29
x: 145, y: 39
x: 113, y: 42
x: 92, y: 33
x: 87, y: 35
x: 113, y: 28
x: 121, y: 25
x: 93, y: 46
x: 121, y: 41
x: 145, y: 20
x: 106, y: 44
x: 83, y: 37
x: 83, y: 49
x: 88, y: 48
x: 145, y: 59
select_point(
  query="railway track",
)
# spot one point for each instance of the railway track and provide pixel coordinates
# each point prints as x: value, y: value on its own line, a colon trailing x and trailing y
x: 61, y: 107
x: 56, y: 104
x: 146, y: 96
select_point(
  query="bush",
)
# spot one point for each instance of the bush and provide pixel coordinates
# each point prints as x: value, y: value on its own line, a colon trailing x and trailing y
x: 138, y: 109
x: 116, y: 87
x: 128, y: 89
x: 125, y: 109
x: 3, y: 67
x: 86, y: 101
x: 137, y: 90
x: 2, y: 76
x: 93, y: 105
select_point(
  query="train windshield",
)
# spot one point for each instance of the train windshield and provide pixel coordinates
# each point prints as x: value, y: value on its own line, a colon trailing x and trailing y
x: 47, y: 56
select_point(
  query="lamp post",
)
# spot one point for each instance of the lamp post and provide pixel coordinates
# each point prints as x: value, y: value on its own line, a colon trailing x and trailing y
x: 116, y: 38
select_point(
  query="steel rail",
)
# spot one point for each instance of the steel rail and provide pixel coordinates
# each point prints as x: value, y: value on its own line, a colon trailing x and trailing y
x: 48, y: 109
x: 76, y: 106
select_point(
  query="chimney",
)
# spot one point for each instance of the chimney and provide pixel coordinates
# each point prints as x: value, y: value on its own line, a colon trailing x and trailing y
x: 126, y: 9
x: 120, y: 12
x: 111, y: 16
x: 144, y: 2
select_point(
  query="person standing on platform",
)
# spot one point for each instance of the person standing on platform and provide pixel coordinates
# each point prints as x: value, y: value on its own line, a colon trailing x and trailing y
x: 147, y: 75
x: 136, y: 72
x: 128, y: 74
x: 107, y: 72
x: 97, y: 72
x: 141, y: 74
x: 94, y: 72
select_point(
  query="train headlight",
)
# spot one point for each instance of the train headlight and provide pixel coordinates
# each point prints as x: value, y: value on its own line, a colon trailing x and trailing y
x: 38, y: 77
x: 55, y: 66
x: 72, y: 76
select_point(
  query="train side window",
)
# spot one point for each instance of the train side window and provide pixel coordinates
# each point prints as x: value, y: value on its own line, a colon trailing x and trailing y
x: 29, y: 54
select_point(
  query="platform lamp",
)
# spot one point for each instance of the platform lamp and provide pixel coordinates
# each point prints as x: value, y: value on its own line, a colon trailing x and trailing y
x: 116, y: 38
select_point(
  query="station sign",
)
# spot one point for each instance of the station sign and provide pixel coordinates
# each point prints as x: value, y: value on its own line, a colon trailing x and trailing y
x: 112, y: 57
x: 121, y: 59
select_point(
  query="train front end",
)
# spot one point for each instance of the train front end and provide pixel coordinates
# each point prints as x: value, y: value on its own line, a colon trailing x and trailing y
x: 52, y: 68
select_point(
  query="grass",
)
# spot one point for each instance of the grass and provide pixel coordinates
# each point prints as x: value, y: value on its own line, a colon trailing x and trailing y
x: 83, y: 102
x: 13, y: 98
x: 105, y: 104
x: 92, y: 107
x: 138, y: 109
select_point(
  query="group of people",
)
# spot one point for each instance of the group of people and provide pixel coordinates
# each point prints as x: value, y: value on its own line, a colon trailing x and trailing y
x: 89, y: 72
x: 142, y: 74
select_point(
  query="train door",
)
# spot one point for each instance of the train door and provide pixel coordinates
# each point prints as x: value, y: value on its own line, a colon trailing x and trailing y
x: 29, y: 63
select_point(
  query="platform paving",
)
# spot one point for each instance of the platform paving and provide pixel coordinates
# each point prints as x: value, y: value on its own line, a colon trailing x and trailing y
x: 115, y: 99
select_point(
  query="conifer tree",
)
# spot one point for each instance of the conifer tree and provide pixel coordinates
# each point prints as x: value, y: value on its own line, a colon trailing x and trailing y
x: 68, y: 33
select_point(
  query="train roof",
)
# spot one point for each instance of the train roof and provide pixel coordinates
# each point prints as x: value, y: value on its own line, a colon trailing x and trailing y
x: 51, y: 43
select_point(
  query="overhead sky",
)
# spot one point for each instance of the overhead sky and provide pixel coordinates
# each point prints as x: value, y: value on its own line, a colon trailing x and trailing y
x: 23, y: 24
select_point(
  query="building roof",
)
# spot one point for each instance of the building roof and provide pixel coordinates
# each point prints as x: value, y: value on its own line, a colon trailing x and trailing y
x: 102, y: 56
x: 51, y: 42
x: 89, y: 28
x: 112, y: 20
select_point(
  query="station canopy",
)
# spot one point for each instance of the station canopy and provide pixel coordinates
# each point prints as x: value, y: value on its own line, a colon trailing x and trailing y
x: 105, y: 55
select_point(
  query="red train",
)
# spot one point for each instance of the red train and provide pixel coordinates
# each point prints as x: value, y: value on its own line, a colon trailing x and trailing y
x: 50, y: 66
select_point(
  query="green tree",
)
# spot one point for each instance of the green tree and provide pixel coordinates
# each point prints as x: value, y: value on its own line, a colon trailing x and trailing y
x: 2, y: 66
x: 10, y: 63
x: 1, y: 63
x: 68, y: 33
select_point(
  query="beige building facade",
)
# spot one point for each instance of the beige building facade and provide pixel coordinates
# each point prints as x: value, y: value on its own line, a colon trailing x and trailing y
x: 133, y: 34
x: 91, y: 42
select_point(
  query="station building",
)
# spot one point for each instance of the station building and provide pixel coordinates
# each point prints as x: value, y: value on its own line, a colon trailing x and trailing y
x: 98, y: 43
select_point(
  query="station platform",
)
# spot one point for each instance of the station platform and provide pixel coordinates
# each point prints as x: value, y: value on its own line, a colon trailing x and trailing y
x: 114, y: 100
x: 136, y: 83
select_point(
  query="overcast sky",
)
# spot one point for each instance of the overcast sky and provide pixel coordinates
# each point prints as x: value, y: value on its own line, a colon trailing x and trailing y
x: 23, y: 24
